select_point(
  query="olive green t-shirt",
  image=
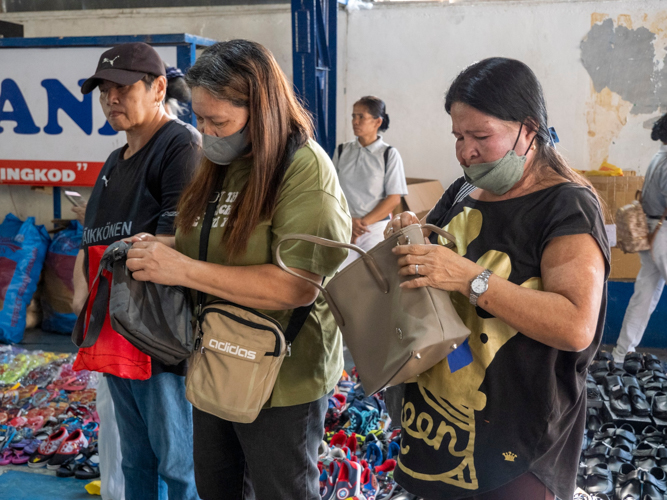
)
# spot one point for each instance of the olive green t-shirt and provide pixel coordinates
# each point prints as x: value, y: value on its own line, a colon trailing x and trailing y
x: 310, y: 202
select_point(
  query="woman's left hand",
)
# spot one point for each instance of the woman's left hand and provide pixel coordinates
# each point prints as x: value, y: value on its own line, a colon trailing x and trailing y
x: 156, y: 262
x: 437, y: 267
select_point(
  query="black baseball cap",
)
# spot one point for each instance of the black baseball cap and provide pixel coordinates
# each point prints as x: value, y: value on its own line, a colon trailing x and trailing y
x: 125, y: 64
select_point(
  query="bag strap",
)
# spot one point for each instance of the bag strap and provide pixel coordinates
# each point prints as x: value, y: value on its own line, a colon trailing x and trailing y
x: 87, y: 338
x: 386, y: 157
x: 340, y: 150
x: 206, y: 231
x: 296, y: 322
x: 365, y: 256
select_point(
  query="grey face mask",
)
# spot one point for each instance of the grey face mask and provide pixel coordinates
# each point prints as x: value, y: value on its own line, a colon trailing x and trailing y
x: 224, y: 150
x: 498, y: 176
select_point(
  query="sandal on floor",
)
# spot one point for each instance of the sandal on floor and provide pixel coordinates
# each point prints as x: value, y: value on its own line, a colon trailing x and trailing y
x: 619, y: 400
x: 651, y: 362
x: 593, y: 420
x: 604, y: 355
x: 598, y: 479
x: 592, y: 391
x: 90, y: 469
x: 654, y: 484
x: 652, y: 435
x: 638, y: 402
x: 628, y: 483
x: 20, y: 457
x: 6, y: 457
x: 617, y: 457
x: 625, y: 434
x: 659, y: 405
x: 645, y: 456
x: 633, y: 362
x: 600, y: 369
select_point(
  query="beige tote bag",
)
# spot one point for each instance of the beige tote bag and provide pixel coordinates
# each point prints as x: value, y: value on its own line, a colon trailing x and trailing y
x: 393, y: 333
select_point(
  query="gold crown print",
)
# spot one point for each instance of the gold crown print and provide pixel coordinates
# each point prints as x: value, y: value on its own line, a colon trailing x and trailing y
x: 509, y: 456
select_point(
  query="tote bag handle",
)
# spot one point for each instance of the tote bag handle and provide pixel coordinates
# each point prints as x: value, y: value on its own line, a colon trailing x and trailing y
x: 368, y: 260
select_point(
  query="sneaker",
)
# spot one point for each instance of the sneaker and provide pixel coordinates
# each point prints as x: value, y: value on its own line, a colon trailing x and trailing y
x: 369, y: 483
x: 349, y: 480
x: 328, y: 480
x: 48, y: 448
x: 69, y: 448
x: 374, y: 455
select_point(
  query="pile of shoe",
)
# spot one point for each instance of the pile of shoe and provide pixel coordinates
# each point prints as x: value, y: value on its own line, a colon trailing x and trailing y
x: 622, y: 462
x: 637, y: 389
x: 47, y: 414
x: 359, y: 453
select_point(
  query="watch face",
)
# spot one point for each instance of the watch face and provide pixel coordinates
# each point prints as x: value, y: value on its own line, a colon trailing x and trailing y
x: 478, y: 286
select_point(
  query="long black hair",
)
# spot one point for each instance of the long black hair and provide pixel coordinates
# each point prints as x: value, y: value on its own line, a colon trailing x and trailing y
x: 376, y: 108
x: 508, y: 89
x: 659, y: 132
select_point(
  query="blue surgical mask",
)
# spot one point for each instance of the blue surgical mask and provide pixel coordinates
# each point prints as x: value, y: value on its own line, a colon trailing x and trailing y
x: 224, y: 150
x: 498, y: 176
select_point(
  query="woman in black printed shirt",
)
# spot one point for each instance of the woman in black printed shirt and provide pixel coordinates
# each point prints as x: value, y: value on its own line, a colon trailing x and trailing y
x: 503, y: 416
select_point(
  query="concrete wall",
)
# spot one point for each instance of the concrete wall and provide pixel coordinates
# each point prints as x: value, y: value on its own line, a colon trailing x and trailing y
x: 600, y: 63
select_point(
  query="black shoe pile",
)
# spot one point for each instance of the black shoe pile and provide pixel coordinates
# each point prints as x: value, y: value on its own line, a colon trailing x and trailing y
x: 616, y: 460
x: 638, y: 389
x: 622, y: 462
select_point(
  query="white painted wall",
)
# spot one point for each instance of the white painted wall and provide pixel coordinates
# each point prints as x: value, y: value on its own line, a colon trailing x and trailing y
x: 408, y: 53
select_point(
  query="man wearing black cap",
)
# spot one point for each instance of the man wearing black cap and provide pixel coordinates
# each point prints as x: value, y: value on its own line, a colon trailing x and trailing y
x: 137, y: 192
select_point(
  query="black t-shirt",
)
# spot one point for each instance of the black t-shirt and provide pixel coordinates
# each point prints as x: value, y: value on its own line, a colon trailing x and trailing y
x: 502, y: 404
x: 140, y: 194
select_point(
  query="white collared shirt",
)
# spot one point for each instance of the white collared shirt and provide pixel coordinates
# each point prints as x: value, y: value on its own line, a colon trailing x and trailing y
x: 365, y: 179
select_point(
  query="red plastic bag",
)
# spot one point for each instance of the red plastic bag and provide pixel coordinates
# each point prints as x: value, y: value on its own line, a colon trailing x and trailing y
x: 111, y: 353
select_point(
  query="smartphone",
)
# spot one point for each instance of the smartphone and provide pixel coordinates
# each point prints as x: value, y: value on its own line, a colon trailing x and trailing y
x: 75, y: 198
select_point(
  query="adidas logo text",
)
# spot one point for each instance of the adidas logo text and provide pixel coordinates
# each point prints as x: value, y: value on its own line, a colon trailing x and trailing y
x: 234, y: 350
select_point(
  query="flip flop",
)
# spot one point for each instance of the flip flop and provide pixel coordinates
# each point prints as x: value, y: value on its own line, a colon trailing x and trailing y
x: 40, y: 397
x: 7, y: 433
x: 18, y: 422
x: 36, y: 423
x: 20, y: 457
x: 6, y: 457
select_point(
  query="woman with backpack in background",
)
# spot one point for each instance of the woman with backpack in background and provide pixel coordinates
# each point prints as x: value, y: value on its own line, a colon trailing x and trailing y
x: 371, y: 174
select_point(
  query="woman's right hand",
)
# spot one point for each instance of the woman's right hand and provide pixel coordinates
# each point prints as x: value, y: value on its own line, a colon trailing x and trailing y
x: 399, y: 222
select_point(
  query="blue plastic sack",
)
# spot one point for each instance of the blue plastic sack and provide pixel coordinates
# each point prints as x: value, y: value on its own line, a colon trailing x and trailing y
x: 23, y: 247
x: 58, y: 284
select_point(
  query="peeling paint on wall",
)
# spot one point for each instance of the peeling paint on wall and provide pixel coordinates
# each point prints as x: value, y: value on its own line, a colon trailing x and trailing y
x: 606, y: 115
x: 621, y: 60
x: 628, y: 73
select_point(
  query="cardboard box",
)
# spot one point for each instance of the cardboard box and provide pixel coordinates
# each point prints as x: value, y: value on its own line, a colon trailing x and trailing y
x: 616, y: 192
x: 624, y: 266
x: 422, y: 196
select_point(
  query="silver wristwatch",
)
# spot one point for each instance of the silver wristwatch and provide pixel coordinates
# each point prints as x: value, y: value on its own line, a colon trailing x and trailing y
x: 479, y: 285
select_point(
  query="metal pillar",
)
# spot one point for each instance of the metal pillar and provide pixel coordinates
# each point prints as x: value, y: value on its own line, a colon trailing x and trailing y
x: 314, y: 39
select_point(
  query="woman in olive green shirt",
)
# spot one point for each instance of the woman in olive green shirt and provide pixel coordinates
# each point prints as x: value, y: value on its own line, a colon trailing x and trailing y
x: 278, y: 181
